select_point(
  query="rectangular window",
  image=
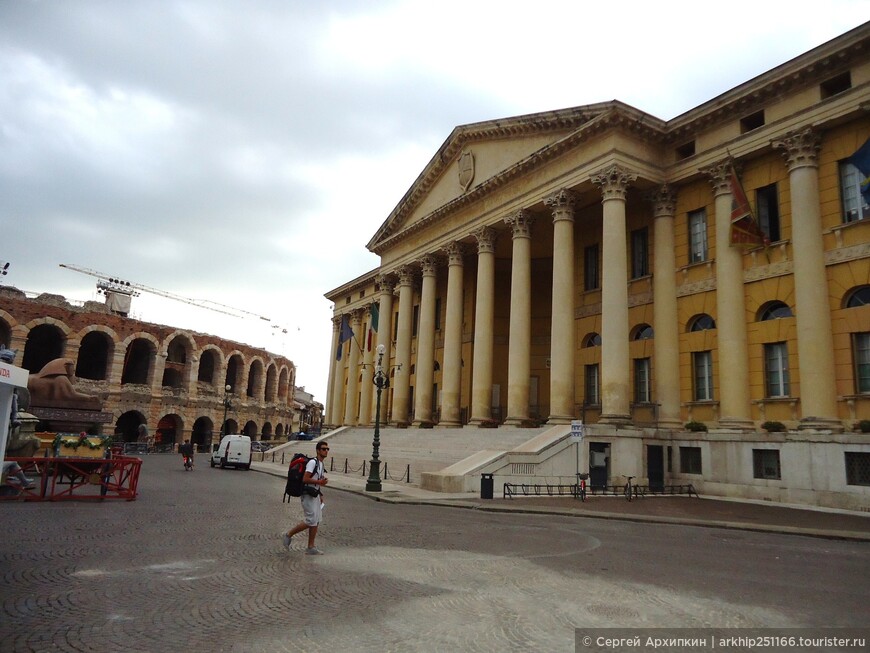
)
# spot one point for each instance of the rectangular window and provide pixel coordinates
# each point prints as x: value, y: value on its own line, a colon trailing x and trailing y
x: 639, y: 253
x: 861, y: 356
x: 776, y: 369
x: 697, y: 236
x: 592, y: 396
x: 395, y: 326
x: 854, y: 206
x: 857, y: 468
x: 591, y: 266
x: 437, y: 313
x: 767, y: 203
x: 416, y: 321
x: 690, y: 460
x: 702, y: 368
x: 765, y: 463
x: 642, y: 394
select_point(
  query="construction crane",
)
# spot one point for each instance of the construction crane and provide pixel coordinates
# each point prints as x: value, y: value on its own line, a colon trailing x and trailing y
x: 110, y: 285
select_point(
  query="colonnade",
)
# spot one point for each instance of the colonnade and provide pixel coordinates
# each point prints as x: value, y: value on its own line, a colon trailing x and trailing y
x: 815, y: 341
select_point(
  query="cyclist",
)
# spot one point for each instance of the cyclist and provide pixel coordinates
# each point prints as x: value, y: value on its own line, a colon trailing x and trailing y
x: 186, y: 450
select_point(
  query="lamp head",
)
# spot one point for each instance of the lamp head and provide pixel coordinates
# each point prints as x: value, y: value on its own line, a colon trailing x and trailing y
x: 228, y: 388
x: 381, y: 350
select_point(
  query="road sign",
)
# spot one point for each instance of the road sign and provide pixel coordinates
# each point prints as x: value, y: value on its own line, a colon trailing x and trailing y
x: 577, y: 429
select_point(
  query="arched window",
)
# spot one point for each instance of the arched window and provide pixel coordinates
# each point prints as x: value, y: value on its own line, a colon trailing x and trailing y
x: 702, y: 322
x: 592, y: 340
x: 773, y: 311
x: 643, y: 332
x: 859, y: 296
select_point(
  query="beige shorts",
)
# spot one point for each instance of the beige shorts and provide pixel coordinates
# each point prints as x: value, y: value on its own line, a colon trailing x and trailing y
x: 311, y: 510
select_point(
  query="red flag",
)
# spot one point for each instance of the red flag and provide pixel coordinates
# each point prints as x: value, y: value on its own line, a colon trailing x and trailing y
x: 745, y: 231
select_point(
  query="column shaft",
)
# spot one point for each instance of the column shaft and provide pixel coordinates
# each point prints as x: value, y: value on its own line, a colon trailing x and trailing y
x: 666, y: 343
x: 519, y: 343
x: 336, y: 412
x: 351, y: 412
x: 366, y: 385
x: 425, y: 344
x: 402, y: 381
x: 451, y: 373
x: 385, y: 330
x: 562, y: 338
x: 484, y: 312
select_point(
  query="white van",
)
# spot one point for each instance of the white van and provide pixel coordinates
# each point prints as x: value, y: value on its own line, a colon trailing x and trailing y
x: 233, y: 450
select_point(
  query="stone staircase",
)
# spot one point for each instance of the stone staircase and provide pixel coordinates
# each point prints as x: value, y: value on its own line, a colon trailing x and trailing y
x: 424, y: 450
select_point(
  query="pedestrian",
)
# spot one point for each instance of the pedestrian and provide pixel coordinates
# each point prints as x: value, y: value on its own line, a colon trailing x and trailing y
x: 312, y: 500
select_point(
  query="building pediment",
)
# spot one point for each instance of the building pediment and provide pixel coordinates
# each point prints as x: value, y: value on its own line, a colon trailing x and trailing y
x: 478, y: 157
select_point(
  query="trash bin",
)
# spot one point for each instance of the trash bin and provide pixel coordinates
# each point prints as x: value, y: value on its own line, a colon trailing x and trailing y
x: 486, y: 484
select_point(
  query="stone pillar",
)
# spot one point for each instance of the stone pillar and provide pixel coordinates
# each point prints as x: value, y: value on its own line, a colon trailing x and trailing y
x: 666, y: 344
x: 815, y: 341
x: 426, y: 343
x: 337, y: 413
x: 451, y: 373
x: 730, y: 308
x: 386, y: 284
x: 351, y: 409
x: 366, y: 385
x: 484, y: 313
x: 330, y: 416
x: 614, y: 182
x: 562, y: 338
x: 402, y: 381
x: 520, y: 338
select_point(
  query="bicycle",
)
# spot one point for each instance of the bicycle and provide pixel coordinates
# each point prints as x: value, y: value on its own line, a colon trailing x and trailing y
x: 629, y: 489
x: 581, y: 486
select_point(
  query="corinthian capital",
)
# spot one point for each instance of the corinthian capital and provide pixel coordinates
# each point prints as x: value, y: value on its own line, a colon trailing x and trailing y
x: 455, y: 251
x: 521, y: 222
x: 664, y: 201
x: 614, y: 182
x: 406, y: 275
x: 485, y: 239
x: 719, y: 175
x: 562, y: 204
x: 800, y: 149
x: 428, y: 264
x: 386, y: 283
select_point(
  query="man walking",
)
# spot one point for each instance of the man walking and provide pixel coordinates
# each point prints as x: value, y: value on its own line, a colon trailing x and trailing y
x: 312, y: 500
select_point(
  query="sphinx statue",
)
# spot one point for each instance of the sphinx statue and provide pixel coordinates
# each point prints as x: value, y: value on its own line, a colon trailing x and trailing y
x: 52, y: 387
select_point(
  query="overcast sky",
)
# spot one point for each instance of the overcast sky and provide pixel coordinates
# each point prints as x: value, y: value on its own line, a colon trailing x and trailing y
x: 244, y: 152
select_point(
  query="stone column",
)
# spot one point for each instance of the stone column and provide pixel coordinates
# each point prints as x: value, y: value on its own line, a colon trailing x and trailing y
x: 451, y: 373
x: 330, y: 416
x: 366, y: 385
x: 351, y: 409
x: 402, y: 381
x: 614, y: 182
x: 815, y: 341
x: 337, y: 413
x: 484, y: 314
x: 666, y: 344
x: 426, y: 343
x: 520, y: 338
x: 730, y: 308
x: 386, y: 284
x: 562, y: 338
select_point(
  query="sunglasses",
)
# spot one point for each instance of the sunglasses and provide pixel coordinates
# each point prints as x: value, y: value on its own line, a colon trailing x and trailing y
x: 323, y: 449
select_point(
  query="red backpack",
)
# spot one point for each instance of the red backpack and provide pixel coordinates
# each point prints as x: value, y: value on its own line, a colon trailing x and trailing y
x: 295, y: 474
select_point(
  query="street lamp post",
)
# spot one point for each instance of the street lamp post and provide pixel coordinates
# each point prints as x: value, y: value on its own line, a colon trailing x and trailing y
x: 227, y: 406
x: 381, y: 380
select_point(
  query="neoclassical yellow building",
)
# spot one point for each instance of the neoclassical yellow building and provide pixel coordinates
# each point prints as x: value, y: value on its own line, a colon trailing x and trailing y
x: 578, y: 264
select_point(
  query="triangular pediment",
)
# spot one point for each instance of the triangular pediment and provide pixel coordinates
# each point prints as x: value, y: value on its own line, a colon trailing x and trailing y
x: 477, y: 154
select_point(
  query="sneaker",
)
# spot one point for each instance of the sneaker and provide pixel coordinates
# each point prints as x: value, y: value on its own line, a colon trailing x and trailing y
x: 286, y: 542
x: 314, y: 551
x: 29, y: 485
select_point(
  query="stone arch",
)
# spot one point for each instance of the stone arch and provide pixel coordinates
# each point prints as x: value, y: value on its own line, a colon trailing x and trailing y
x: 235, y: 371
x: 857, y: 296
x: 127, y: 426
x: 700, y: 322
x: 266, y: 431
x: 279, y: 431
x: 255, y: 378
x: 250, y: 429
x: 96, y: 349
x: 202, y: 431
x: 231, y: 426
x: 271, y: 390
x: 211, y: 361
x: 178, y: 348
x: 170, y: 430
x: 46, y: 341
x: 283, y: 385
x: 140, y: 354
x: 7, y: 325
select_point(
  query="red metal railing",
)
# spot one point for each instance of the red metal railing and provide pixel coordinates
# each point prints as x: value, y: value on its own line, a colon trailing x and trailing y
x: 64, y: 479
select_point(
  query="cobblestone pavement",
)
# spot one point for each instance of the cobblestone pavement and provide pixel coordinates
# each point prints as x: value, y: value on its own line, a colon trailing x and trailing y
x: 196, y: 564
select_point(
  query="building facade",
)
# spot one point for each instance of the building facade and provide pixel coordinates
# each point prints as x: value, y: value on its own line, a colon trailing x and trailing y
x: 581, y: 264
x: 179, y: 384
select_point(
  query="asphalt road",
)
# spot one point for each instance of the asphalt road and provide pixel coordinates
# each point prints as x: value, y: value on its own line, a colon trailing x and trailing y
x: 196, y: 564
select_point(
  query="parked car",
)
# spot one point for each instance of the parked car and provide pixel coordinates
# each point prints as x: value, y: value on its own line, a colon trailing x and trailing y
x: 302, y: 435
x: 257, y: 445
